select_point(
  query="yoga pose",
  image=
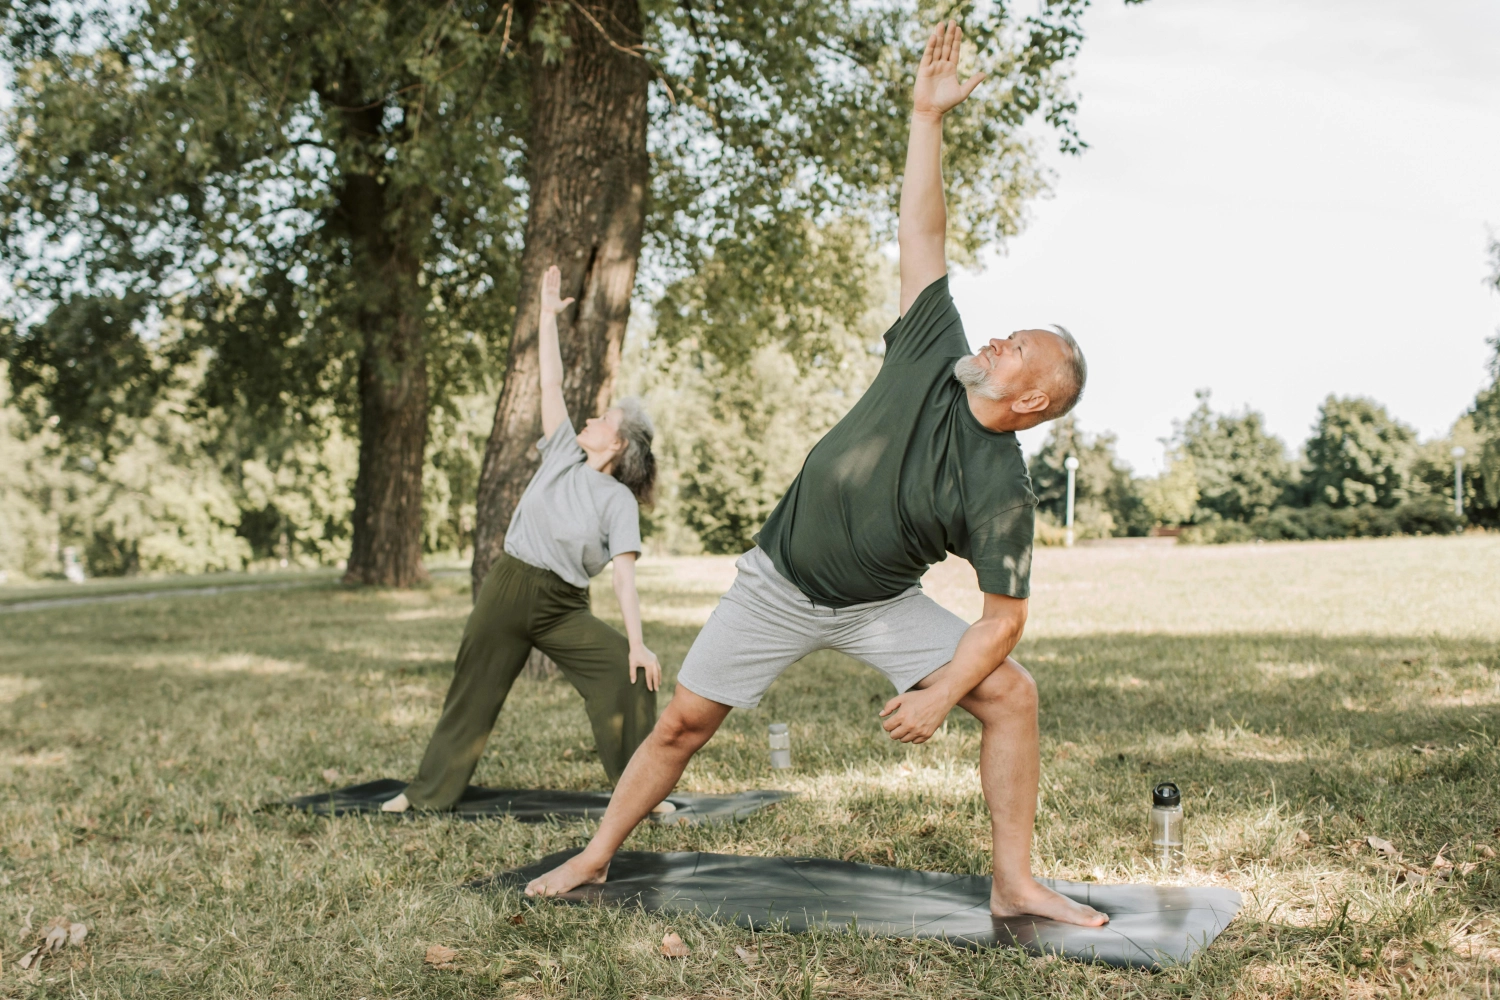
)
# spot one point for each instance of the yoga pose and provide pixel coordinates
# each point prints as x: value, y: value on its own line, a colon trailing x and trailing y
x: 925, y: 463
x: 578, y: 513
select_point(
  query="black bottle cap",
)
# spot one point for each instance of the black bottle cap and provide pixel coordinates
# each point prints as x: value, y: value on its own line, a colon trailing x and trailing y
x: 1166, y: 794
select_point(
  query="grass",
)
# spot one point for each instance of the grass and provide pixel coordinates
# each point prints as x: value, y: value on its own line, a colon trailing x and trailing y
x: 1328, y: 691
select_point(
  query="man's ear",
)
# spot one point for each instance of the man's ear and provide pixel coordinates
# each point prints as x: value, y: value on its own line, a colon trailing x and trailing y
x: 1030, y: 401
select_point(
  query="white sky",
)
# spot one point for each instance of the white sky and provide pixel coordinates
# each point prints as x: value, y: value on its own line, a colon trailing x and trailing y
x: 1282, y: 199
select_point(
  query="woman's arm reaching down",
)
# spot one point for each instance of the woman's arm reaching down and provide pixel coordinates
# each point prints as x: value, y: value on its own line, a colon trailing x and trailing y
x: 630, y: 609
x: 549, y: 354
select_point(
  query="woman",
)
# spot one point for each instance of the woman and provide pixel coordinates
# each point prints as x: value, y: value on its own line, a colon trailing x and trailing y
x: 579, y: 512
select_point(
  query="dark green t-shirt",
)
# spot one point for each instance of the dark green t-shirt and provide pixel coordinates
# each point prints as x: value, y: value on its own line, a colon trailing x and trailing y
x: 906, y: 477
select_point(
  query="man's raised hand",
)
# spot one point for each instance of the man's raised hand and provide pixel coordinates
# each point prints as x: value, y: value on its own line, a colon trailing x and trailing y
x: 552, y: 304
x: 938, y: 89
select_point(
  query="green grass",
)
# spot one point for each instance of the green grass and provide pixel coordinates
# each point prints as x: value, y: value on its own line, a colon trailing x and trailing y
x: 1338, y: 690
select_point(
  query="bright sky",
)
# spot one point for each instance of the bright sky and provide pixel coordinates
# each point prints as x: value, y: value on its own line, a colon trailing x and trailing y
x: 1283, y: 199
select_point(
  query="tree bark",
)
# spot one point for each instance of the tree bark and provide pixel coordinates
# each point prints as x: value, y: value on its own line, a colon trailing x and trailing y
x: 589, y: 181
x: 386, y: 548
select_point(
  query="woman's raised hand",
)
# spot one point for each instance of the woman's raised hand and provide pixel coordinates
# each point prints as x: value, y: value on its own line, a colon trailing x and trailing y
x: 551, y: 288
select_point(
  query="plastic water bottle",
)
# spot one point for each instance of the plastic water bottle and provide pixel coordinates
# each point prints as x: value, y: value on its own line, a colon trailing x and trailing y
x: 781, y: 746
x: 1166, y: 827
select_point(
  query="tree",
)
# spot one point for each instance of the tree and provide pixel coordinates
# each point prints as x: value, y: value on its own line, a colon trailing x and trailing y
x: 1358, y: 454
x: 315, y: 199
x: 1239, y: 470
x: 1172, y: 497
x: 1105, y: 498
x: 353, y: 201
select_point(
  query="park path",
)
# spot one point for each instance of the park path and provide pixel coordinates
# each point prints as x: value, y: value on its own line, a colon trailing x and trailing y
x: 210, y: 590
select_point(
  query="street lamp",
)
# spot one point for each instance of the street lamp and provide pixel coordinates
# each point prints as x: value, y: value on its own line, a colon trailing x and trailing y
x: 1071, y: 464
x: 1458, y: 480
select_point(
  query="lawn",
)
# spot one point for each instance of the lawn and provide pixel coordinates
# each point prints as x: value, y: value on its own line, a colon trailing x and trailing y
x: 1305, y: 696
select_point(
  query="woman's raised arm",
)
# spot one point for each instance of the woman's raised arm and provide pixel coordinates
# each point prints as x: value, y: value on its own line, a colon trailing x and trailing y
x: 549, y: 354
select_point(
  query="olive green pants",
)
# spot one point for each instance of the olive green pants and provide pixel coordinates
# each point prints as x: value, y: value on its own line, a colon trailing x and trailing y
x: 520, y: 606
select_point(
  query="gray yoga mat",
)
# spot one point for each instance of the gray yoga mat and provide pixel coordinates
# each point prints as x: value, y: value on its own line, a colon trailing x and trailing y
x: 1150, y: 926
x: 537, y: 805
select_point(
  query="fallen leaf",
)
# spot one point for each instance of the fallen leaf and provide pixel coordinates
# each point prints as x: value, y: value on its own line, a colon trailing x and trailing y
x: 76, y: 934
x: 29, y: 959
x: 519, y: 919
x: 1467, y: 867
x: 1439, y: 863
x: 849, y: 854
x: 747, y: 955
x: 1383, y: 846
x: 26, y: 925
x: 56, y: 938
x: 440, y: 956
x: 331, y: 775
x: 1486, y: 850
x: 672, y: 946
x: 890, y: 855
x: 413, y: 847
x: 568, y: 753
x: 1411, y: 878
x: 1302, y: 837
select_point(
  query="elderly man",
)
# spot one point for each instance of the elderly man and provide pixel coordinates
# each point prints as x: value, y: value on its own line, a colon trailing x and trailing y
x: 925, y: 463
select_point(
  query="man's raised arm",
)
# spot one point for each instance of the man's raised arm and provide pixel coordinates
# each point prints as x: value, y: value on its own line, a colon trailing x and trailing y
x: 923, y: 225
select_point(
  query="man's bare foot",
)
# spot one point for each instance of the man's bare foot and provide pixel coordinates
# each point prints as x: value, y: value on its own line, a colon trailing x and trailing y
x: 569, y: 875
x: 1031, y: 898
x: 396, y: 805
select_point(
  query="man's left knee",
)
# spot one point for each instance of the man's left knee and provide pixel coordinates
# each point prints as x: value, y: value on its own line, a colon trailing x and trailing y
x: 1008, y: 688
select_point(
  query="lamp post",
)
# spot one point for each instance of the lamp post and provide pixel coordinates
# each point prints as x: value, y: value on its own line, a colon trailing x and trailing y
x: 1458, y: 481
x: 1071, y: 464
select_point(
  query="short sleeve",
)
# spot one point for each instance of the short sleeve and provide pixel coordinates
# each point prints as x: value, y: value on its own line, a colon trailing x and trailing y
x: 622, y: 523
x: 561, y: 446
x: 931, y: 327
x: 1000, y: 551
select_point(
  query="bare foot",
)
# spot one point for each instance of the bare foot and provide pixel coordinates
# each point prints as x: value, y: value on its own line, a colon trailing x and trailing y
x: 1034, y: 899
x: 569, y: 875
x: 396, y: 805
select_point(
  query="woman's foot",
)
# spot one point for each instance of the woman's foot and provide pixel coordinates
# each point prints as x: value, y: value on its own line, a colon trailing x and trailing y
x: 396, y: 805
x: 576, y: 871
x: 1031, y: 898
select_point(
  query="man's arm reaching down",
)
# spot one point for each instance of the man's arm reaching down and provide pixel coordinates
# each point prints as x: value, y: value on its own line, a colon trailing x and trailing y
x: 914, y: 716
x: 923, y: 227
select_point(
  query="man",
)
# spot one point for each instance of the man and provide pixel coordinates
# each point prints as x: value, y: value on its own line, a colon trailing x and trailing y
x: 925, y: 463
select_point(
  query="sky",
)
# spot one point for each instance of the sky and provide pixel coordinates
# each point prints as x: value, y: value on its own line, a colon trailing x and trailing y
x: 1282, y: 199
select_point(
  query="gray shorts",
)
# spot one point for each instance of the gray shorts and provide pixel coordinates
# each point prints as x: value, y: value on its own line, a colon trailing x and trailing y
x: 765, y: 624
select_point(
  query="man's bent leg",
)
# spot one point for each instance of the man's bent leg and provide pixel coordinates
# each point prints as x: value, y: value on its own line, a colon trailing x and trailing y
x: 1005, y: 703
x: 652, y: 773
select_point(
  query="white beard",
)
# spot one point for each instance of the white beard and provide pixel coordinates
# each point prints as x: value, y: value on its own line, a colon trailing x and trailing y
x: 972, y: 376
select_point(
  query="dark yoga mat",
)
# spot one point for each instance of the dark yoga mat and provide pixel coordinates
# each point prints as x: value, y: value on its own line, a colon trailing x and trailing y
x: 537, y: 805
x: 1150, y: 926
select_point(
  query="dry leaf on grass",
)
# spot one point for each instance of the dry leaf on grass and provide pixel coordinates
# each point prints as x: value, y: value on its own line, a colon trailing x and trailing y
x: 519, y: 919
x: 1302, y: 837
x: 76, y: 934
x: 1383, y: 846
x: 440, y: 956
x: 747, y: 955
x: 56, y: 939
x: 29, y: 959
x: 1486, y: 850
x: 331, y: 775
x: 672, y: 946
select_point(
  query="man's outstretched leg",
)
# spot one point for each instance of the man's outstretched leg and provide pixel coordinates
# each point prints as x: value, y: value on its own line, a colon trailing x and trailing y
x: 1005, y: 703
x: 650, y: 776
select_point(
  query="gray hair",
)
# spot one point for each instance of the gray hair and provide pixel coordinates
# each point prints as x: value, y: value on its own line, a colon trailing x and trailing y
x: 636, y: 465
x: 1076, y: 376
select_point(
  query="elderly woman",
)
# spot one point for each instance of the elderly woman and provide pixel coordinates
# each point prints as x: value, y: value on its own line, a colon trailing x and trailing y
x: 579, y: 512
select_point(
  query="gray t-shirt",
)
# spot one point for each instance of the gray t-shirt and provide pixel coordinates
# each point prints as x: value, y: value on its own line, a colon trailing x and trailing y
x: 572, y: 519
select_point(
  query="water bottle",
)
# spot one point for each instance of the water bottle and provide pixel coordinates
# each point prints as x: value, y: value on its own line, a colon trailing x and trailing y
x: 1166, y: 827
x: 781, y: 746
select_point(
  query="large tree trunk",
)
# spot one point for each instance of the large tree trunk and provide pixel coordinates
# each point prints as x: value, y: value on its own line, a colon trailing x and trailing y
x: 589, y: 181
x: 386, y: 549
